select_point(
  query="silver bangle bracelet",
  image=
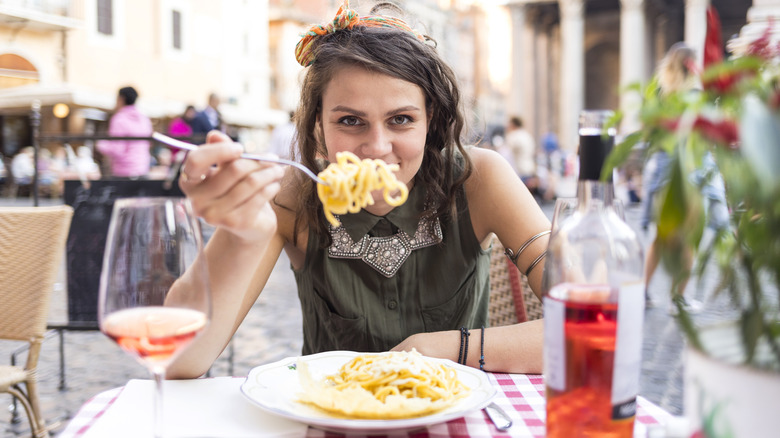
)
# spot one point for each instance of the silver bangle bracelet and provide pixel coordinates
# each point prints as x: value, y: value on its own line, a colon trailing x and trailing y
x: 513, y: 256
x: 535, y: 262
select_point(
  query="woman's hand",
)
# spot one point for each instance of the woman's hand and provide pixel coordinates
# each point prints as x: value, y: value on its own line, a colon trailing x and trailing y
x: 230, y: 192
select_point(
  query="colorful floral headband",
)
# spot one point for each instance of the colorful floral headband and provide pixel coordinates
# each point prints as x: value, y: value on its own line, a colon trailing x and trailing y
x: 345, y: 19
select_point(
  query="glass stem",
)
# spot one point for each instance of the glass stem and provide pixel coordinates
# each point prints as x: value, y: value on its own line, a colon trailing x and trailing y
x: 159, y: 378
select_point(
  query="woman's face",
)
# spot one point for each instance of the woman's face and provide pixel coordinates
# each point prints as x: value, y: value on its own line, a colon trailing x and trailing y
x: 375, y: 116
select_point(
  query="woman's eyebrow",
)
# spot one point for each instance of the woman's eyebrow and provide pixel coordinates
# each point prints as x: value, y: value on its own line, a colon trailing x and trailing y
x: 402, y: 109
x: 346, y: 109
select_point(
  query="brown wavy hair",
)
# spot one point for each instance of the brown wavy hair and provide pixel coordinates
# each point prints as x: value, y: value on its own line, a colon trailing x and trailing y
x: 399, y: 54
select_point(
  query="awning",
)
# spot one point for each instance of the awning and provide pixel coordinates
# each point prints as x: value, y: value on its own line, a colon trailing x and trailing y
x: 21, y: 98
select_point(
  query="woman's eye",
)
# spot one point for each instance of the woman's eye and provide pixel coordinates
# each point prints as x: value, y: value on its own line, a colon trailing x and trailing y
x: 349, y: 121
x: 400, y: 120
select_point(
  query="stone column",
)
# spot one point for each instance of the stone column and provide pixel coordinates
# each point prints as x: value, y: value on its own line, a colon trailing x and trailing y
x: 545, y: 70
x: 572, y: 70
x: 696, y: 26
x: 632, y: 59
x: 518, y: 92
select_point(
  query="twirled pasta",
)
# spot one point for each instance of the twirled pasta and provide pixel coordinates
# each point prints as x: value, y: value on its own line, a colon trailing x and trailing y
x: 351, y: 181
x: 384, y: 386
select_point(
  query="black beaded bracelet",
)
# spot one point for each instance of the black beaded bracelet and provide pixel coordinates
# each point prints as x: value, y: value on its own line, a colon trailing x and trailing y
x: 482, y: 350
x: 466, y: 346
x: 463, y: 352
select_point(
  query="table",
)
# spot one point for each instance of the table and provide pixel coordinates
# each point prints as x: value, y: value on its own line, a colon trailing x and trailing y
x: 521, y: 396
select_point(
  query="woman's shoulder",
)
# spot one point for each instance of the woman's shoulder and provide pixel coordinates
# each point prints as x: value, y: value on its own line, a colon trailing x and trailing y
x: 490, y: 178
x: 485, y: 161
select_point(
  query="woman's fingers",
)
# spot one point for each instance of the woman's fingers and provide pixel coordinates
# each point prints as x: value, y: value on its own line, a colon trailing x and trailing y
x: 215, y: 136
x: 237, y: 185
x: 199, y: 164
x: 226, y: 190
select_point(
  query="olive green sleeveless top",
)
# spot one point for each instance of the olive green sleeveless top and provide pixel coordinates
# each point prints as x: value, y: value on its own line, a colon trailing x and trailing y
x: 385, y: 278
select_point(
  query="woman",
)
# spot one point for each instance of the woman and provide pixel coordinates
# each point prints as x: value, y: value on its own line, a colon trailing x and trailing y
x: 677, y: 72
x: 375, y: 88
x: 182, y: 126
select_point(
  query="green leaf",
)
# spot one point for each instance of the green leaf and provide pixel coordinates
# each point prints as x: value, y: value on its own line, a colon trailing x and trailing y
x: 673, y: 204
x: 620, y: 154
x: 686, y: 323
x: 751, y: 331
x: 774, y: 329
x: 760, y: 138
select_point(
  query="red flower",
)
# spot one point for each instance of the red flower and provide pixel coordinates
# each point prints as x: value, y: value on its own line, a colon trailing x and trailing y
x: 774, y: 100
x: 760, y: 47
x: 724, y: 132
x: 713, y: 48
x: 669, y: 124
x: 724, y: 81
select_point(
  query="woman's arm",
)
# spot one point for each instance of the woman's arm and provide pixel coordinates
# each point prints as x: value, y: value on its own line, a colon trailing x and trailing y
x: 499, y: 203
x: 508, y: 349
x: 238, y: 274
x: 234, y: 196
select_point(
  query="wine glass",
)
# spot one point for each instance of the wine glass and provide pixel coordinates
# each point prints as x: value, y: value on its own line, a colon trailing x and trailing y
x: 154, y: 296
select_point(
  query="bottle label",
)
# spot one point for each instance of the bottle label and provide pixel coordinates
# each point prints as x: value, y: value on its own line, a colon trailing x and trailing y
x: 628, y: 350
x: 554, y: 343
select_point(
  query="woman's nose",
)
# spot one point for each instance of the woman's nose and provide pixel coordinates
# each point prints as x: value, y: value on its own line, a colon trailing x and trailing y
x: 378, y: 143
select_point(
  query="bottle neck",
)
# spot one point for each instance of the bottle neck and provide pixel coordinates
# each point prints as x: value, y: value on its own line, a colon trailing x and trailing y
x: 594, y: 193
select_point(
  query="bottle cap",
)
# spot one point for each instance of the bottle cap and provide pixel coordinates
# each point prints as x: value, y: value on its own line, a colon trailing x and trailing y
x: 595, y: 143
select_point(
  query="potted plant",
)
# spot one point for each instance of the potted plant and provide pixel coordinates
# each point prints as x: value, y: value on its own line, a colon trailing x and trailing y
x: 732, y: 369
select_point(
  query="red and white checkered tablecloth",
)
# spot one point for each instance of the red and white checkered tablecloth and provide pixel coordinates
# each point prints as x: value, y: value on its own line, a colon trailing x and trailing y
x: 521, y: 396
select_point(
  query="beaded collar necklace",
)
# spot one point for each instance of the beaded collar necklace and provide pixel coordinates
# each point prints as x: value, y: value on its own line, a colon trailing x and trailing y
x: 386, y: 254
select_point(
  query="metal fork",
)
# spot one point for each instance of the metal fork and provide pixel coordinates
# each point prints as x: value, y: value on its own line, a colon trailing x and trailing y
x: 178, y: 144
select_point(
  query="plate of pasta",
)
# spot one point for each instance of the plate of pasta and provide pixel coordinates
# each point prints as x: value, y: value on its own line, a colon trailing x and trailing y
x: 346, y: 391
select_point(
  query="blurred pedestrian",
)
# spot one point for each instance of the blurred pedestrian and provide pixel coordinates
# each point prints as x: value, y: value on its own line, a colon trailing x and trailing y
x: 23, y: 167
x: 209, y: 118
x: 3, y: 172
x: 523, y: 148
x: 181, y: 126
x: 85, y: 165
x: 127, y: 158
x: 282, y: 142
x: 677, y: 72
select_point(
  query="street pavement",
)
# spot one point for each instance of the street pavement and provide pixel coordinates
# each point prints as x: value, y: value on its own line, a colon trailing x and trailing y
x: 272, y: 331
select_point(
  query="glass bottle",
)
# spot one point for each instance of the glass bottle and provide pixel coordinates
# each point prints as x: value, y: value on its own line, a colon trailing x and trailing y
x: 594, y: 308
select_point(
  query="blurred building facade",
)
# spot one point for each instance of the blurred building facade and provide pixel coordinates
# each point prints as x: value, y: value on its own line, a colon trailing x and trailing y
x: 174, y: 52
x: 575, y: 54
x: 541, y: 59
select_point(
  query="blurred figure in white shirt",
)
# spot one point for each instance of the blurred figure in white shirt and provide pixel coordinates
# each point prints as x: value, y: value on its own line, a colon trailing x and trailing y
x: 523, y: 148
x: 282, y: 142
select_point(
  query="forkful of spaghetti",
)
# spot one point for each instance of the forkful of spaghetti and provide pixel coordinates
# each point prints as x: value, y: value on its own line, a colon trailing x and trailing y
x: 351, y: 181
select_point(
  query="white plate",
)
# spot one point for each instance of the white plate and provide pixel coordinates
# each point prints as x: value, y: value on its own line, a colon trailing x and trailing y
x: 274, y: 387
